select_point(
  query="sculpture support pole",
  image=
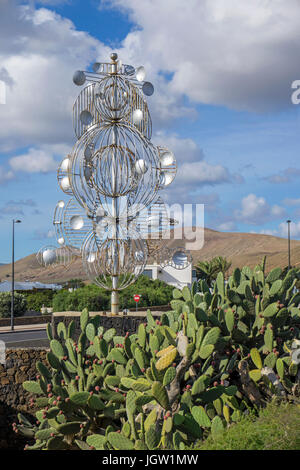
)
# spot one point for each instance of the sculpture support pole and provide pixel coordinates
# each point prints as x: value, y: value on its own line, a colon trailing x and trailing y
x: 115, y: 213
x: 115, y: 302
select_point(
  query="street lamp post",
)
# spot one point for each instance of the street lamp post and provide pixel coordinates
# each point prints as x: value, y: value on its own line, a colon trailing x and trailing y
x: 289, y: 245
x: 13, y: 274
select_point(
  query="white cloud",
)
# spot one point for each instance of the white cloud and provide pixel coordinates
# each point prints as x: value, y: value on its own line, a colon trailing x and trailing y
x: 266, y: 232
x: 202, y: 173
x: 43, y: 235
x: 24, y: 202
x: 285, y: 176
x: 291, y: 202
x: 255, y: 210
x: 223, y: 52
x: 184, y: 149
x: 193, y: 171
x: 277, y: 211
x: 282, y: 230
x: 294, y: 229
x: 5, y: 175
x: 35, y: 161
x: 227, y: 226
x: 40, y: 51
x: 11, y: 208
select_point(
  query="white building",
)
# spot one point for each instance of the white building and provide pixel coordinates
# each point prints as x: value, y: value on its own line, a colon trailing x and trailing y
x: 175, y: 277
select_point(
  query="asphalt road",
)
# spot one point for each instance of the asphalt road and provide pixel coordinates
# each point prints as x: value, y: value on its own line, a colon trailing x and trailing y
x: 25, y: 339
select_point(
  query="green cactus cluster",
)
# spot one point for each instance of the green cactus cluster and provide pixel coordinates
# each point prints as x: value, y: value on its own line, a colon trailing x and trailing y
x: 205, y: 363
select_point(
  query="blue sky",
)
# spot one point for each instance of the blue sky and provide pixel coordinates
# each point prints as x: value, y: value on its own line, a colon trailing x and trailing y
x: 222, y: 73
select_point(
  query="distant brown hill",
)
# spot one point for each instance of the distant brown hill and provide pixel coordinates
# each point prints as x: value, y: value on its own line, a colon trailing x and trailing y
x: 241, y: 248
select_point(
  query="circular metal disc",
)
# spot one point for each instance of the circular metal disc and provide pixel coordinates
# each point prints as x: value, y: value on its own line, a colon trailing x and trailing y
x: 88, y: 151
x: 65, y: 183
x: 180, y: 258
x: 86, y: 117
x: 49, y: 257
x: 166, y: 178
x: 129, y: 70
x: 141, y: 167
x: 96, y: 67
x: 148, y: 89
x: 140, y: 74
x: 137, y: 116
x: 79, y: 77
x: 76, y: 222
x: 167, y: 159
x: 64, y: 166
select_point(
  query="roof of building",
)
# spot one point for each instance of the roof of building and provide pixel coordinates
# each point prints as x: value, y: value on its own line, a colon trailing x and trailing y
x: 6, y: 286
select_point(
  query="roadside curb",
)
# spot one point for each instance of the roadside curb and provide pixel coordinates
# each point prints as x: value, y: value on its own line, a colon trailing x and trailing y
x: 22, y: 328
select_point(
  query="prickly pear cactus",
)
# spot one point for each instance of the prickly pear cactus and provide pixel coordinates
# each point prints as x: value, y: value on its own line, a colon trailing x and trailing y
x: 217, y: 354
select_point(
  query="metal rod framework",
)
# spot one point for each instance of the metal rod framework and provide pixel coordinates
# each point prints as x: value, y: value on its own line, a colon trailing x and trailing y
x: 113, y: 175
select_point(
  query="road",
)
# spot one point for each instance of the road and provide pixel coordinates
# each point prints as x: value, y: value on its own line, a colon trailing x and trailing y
x: 27, y: 339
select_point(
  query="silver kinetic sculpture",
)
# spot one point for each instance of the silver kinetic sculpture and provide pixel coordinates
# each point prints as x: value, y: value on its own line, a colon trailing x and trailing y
x: 115, y: 217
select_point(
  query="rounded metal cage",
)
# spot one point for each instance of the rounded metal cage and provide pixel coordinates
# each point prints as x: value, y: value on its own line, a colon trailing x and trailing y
x: 51, y: 256
x: 114, y: 173
x: 113, y: 161
x: 89, y: 100
x: 112, y: 97
x: 115, y: 262
x: 71, y: 224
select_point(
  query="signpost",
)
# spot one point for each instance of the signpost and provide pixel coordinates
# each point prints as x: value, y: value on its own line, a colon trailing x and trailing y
x: 136, y: 298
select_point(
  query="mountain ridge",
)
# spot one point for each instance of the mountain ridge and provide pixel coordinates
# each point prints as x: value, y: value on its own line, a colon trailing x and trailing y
x: 240, y: 248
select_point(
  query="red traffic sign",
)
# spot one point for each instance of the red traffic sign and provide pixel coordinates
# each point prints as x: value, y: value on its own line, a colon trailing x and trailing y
x: 136, y: 298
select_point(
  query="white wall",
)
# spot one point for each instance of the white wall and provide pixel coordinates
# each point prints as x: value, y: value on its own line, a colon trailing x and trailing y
x: 175, y: 277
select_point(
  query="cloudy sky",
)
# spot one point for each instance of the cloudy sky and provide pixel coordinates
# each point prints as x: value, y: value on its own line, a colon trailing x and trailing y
x: 223, y: 73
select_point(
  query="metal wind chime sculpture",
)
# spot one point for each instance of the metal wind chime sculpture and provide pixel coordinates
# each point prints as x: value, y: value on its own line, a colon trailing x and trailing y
x: 114, y: 219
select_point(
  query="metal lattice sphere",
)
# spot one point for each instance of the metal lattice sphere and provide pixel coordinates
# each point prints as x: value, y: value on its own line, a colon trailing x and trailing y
x: 51, y: 256
x: 114, y: 263
x: 87, y: 105
x: 112, y: 95
x: 113, y: 161
x: 71, y: 224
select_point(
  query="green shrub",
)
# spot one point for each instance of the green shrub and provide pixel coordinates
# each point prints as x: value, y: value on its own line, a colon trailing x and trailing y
x: 37, y: 298
x: 73, y: 284
x: 94, y: 298
x: 20, y: 304
x: 276, y: 428
x: 91, y: 297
